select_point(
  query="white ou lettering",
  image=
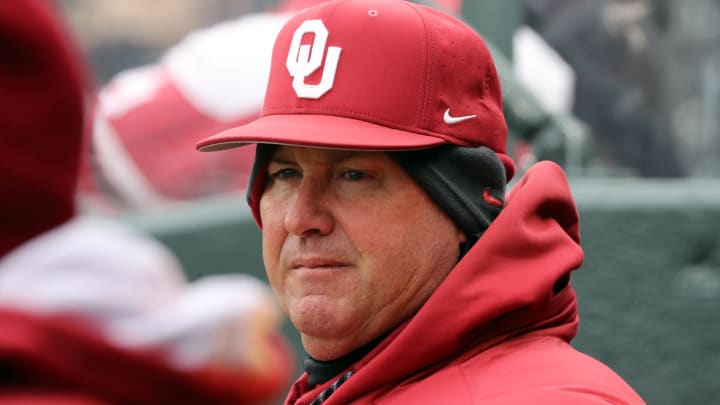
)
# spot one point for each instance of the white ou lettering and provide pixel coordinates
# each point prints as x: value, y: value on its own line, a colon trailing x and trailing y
x: 303, y: 60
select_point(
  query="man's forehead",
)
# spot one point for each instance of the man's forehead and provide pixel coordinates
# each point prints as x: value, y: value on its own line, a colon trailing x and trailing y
x: 291, y: 153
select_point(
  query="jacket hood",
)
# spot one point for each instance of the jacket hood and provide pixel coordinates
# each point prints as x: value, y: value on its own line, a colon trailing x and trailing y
x: 515, y: 280
x: 41, y: 115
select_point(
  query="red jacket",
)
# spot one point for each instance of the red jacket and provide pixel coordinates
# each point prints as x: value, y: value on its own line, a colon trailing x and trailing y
x: 497, y: 330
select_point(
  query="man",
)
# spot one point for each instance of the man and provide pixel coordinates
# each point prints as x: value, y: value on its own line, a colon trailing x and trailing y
x: 379, y: 183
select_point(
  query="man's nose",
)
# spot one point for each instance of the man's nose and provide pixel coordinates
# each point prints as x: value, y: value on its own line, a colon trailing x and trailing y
x: 309, y: 212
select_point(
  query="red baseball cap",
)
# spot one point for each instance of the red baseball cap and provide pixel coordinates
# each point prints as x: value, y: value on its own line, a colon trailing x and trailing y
x: 377, y: 75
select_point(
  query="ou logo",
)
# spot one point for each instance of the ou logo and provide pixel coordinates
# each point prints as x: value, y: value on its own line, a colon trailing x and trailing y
x: 303, y: 60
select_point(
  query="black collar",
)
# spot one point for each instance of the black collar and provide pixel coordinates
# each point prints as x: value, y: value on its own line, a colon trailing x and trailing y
x: 322, y: 371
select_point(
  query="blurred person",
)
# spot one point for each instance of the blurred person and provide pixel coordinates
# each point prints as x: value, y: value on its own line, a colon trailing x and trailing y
x: 92, y: 312
x: 611, y: 46
x: 379, y: 186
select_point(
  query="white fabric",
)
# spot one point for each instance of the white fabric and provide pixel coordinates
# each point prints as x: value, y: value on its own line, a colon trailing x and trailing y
x: 223, y: 70
x: 543, y: 71
x: 135, y: 291
x: 129, y: 89
x: 223, y: 317
x: 91, y: 266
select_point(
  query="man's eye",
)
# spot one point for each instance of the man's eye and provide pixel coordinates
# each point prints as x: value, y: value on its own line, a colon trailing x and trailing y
x: 285, y: 173
x: 354, y: 175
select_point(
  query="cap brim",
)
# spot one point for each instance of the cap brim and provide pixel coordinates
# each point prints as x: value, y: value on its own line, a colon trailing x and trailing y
x: 319, y: 131
x: 327, y: 131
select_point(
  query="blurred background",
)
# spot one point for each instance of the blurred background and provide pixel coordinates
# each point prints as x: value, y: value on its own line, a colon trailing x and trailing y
x: 624, y: 94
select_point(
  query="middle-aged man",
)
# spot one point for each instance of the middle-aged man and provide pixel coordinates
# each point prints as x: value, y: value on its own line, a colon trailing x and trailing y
x: 379, y: 185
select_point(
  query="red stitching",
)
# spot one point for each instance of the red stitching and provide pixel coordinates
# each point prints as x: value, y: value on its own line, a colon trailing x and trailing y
x: 490, y: 199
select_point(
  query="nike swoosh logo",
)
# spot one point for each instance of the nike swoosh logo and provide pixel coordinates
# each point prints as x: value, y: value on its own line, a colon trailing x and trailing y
x: 450, y: 120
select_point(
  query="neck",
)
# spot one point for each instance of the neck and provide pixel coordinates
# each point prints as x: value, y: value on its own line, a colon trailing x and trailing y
x: 320, y: 371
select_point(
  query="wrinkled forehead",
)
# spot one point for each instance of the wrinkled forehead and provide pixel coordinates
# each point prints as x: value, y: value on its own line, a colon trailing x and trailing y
x: 295, y: 154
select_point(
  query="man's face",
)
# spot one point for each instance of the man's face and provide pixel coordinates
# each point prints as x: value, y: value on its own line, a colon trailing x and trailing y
x: 352, y: 246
